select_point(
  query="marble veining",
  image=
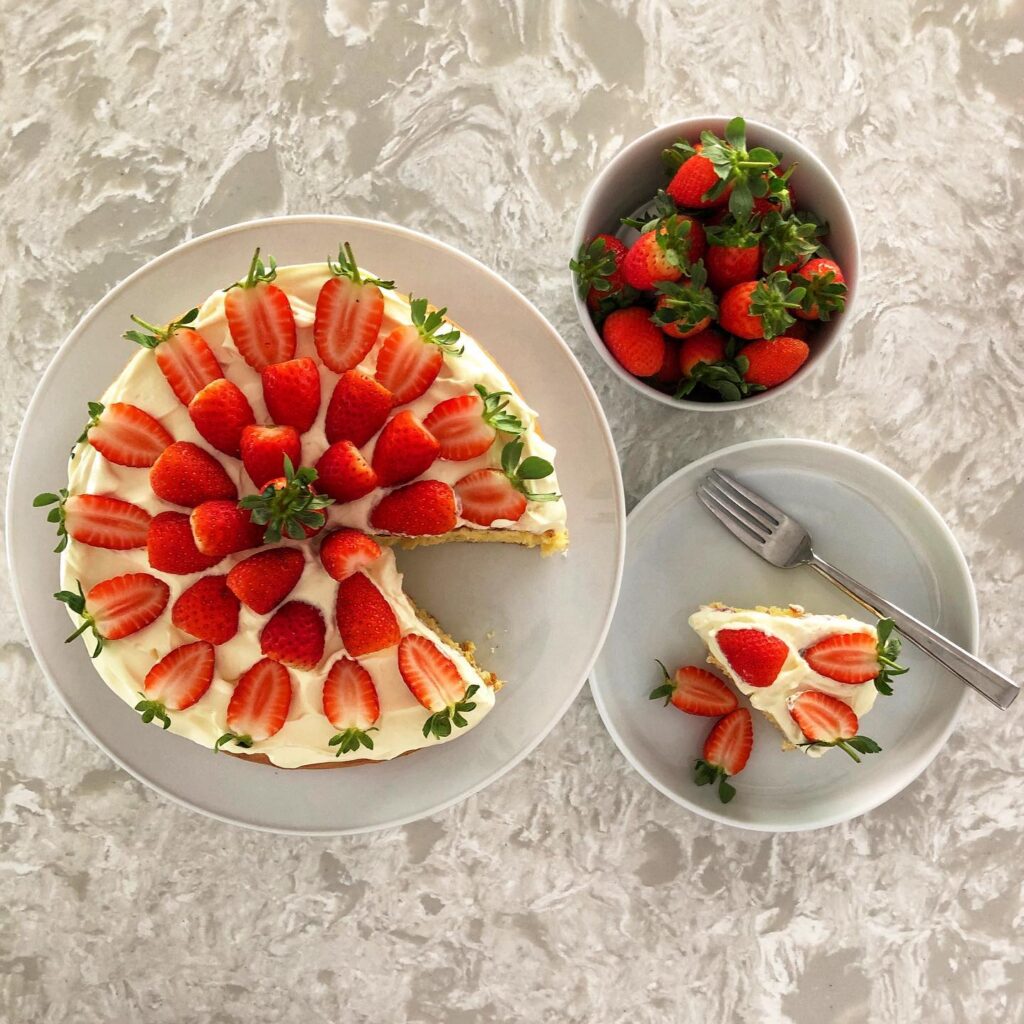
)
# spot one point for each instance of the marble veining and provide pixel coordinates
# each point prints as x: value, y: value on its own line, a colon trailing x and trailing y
x: 570, y: 892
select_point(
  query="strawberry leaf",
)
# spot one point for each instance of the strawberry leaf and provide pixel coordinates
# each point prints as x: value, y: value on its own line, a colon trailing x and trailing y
x: 345, y: 266
x: 152, y: 335
x: 55, y: 515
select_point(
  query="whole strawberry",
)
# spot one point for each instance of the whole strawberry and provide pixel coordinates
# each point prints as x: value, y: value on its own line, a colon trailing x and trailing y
x: 788, y: 241
x: 634, y: 341
x: 685, y: 307
x: 734, y: 253
x: 824, y: 289
x: 695, y: 178
x: 598, y: 269
x: 772, y: 361
x: 743, y: 173
x: 760, y: 309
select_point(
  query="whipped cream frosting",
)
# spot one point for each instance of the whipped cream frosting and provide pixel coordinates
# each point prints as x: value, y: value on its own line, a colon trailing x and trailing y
x: 123, y: 664
x: 798, y: 632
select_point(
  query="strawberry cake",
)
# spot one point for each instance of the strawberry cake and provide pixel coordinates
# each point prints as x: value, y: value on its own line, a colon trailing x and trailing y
x: 232, y: 508
x: 812, y: 676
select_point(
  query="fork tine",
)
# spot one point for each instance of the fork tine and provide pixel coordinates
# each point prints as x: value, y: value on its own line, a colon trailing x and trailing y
x: 728, y: 518
x: 760, y: 530
x: 738, y: 491
x: 720, y: 486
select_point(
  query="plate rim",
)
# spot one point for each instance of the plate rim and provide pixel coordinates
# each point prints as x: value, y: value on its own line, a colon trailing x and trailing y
x: 13, y: 515
x: 973, y: 623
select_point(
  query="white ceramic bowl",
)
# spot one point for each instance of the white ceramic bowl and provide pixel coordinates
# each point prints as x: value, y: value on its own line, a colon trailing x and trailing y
x: 634, y: 176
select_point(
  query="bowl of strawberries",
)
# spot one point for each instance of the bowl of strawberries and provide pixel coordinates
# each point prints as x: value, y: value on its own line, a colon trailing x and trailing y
x: 714, y: 263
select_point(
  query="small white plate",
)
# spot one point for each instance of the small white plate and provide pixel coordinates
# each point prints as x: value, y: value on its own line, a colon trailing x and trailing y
x: 546, y: 618
x: 862, y: 517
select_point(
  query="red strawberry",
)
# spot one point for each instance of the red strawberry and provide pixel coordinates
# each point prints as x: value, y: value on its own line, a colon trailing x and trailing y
x: 182, y: 354
x: 404, y: 450
x: 96, y: 520
x: 264, y: 450
x: 824, y: 289
x: 772, y: 362
x: 186, y: 474
x: 208, y: 610
x: 351, y: 705
x: 262, y: 581
x: 295, y: 635
x: 734, y: 253
x: 412, y: 355
x: 845, y: 657
x: 668, y: 375
x: 488, y: 495
x: 358, y: 408
x: 753, y: 655
x: 695, y: 691
x: 176, y: 682
x: 423, y: 508
x: 694, y: 179
x: 829, y: 722
x: 598, y: 269
x: 663, y: 252
x: 759, y: 309
x: 634, y: 341
x: 435, y: 681
x: 344, y: 474
x: 349, y: 311
x: 220, y: 528
x: 125, y: 435
x: 365, y: 620
x: 466, y: 426
x: 788, y: 241
x: 687, y: 306
x: 220, y: 412
x: 726, y: 752
x: 260, y: 317
x: 117, y: 607
x: 291, y: 391
x: 259, y: 705
x: 345, y: 552
x: 706, y: 347
x: 171, y: 547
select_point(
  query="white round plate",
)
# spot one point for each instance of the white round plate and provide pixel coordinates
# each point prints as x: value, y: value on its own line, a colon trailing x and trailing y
x: 548, y: 616
x: 862, y: 517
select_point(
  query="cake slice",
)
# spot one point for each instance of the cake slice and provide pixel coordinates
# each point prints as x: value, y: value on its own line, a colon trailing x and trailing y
x: 812, y: 676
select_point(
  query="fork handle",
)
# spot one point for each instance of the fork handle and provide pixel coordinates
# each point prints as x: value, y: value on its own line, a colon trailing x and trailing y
x: 992, y: 685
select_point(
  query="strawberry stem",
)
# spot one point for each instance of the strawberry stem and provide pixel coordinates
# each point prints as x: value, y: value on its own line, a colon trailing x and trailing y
x: 285, y: 511
x: 245, y: 740
x: 346, y: 266
x: 76, y: 603
x: 666, y: 689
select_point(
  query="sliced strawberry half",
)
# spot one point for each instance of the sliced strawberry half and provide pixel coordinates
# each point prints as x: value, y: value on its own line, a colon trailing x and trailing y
x: 346, y: 551
x: 260, y: 316
x: 208, y: 610
x: 411, y: 356
x: 466, y: 426
x: 221, y: 528
x: 125, y: 435
x: 753, y: 655
x: 351, y: 705
x: 829, y: 722
x: 171, y: 547
x: 118, y: 607
x: 188, y: 475
x: 220, y: 412
x: 291, y: 391
x: 423, y: 508
x: 726, y: 752
x: 96, y: 520
x: 262, y: 581
x: 404, y: 450
x: 264, y: 450
x: 695, y: 691
x: 365, y: 619
x: 182, y: 354
x: 435, y: 681
x: 259, y: 705
x: 358, y: 407
x: 845, y: 657
x: 176, y: 682
x: 489, y: 495
x: 349, y: 311
x: 295, y: 635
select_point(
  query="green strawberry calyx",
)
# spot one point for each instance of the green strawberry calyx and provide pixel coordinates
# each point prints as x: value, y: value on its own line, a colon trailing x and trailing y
x: 286, y: 510
x: 259, y: 272
x: 823, y: 294
x: 244, y: 740
x: 734, y: 233
x: 745, y: 170
x: 772, y: 300
x: 852, y: 745
x: 887, y: 651
x: 686, y: 303
x: 428, y: 324
x: 531, y: 468
x: 95, y: 412
x: 76, y: 602
x: 152, y: 335
x: 55, y: 515
x: 345, y: 266
x: 724, y: 377
x: 677, y: 154
x: 150, y: 709
x: 666, y: 688
x: 790, y: 239
x: 496, y: 412
x: 439, y: 724
x: 593, y: 266
x: 707, y: 774
x: 349, y: 740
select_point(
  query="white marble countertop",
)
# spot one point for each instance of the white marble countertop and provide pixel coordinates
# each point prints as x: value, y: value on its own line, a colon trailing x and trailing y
x: 570, y: 891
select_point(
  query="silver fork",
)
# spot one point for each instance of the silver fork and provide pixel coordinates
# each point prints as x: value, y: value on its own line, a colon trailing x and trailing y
x: 779, y: 539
